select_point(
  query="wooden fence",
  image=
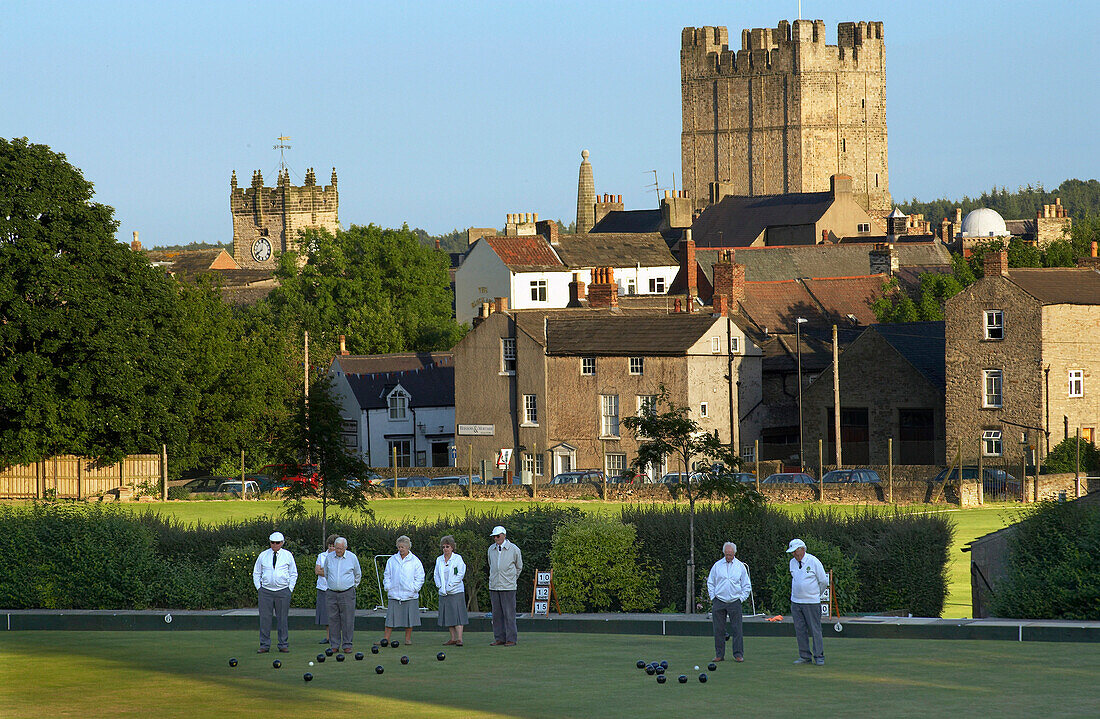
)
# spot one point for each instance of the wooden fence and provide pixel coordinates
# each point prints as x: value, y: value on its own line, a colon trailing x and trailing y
x: 79, y: 477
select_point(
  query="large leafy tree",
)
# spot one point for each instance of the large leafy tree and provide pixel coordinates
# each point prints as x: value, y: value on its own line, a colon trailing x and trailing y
x: 673, y: 433
x: 87, y: 360
x: 379, y: 287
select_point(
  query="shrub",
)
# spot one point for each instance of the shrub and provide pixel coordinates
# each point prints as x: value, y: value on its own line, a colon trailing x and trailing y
x: 1063, y: 457
x: 178, y: 493
x: 843, y: 568
x: 597, y: 568
x: 1052, y: 564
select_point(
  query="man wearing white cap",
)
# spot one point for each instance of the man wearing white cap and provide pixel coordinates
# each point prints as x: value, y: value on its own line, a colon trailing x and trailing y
x: 808, y: 580
x: 274, y: 575
x: 505, y: 564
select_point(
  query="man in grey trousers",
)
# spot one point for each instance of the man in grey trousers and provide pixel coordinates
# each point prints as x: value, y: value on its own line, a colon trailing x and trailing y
x: 343, y: 574
x: 728, y: 586
x: 505, y: 564
x: 808, y: 580
x: 274, y: 575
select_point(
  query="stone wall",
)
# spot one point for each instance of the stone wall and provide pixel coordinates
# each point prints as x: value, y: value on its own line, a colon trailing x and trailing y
x: 1052, y: 485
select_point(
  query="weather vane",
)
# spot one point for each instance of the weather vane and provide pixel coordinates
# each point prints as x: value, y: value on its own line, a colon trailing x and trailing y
x: 282, y: 147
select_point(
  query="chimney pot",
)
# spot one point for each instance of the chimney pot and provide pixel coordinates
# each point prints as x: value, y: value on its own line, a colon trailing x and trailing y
x: 1094, y: 248
x: 343, y: 346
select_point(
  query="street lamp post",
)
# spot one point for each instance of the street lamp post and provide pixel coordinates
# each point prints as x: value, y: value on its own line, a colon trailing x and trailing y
x: 798, y: 345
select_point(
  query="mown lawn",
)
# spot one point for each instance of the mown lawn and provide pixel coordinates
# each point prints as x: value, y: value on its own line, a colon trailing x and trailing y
x: 186, y: 674
x: 969, y: 523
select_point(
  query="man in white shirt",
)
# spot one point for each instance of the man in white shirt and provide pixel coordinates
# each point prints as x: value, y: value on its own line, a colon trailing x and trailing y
x: 728, y: 585
x: 505, y: 564
x: 343, y: 574
x: 274, y: 575
x: 808, y: 580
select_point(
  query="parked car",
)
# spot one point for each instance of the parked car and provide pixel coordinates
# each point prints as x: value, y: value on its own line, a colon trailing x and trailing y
x: 251, y: 489
x: 789, y: 478
x: 415, y: 480
x: 460, y: 480
x: 994, y: 481
x: 744, y: 477
x: 852, y: 476
x: 577, y: 476
x: 202, y: 485
x: 287, y: 473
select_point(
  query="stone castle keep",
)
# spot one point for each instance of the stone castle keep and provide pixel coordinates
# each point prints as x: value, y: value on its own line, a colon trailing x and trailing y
x: 267, y: 220
x: 785, y: 112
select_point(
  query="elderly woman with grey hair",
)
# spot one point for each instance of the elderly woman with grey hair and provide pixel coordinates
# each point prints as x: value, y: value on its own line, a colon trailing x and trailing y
x: 449, y: 573
x: 402, y: 581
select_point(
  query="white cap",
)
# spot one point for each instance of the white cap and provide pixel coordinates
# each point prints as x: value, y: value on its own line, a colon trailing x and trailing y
x: 795, y: 544
x: 275, y: 537
x: 497, y: 530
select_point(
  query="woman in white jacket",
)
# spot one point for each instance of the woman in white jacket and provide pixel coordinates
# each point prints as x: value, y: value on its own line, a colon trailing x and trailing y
x: 402, y: 581
x: 449, y: 573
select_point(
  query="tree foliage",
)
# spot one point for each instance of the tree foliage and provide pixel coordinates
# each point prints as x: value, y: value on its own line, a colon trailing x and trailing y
x: 1063, y: 456
x: 1080, y: 198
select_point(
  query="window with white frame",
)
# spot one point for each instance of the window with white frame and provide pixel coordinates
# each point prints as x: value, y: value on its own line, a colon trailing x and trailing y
x: 657, y: 285
x: 863, y: 227
x: 991, y: 443
x: 609, y: 415
x: 637, y: 364
x: 703, y: 409
x: 538, y: 290
x: 588, y: 365
x: 992, y: 379
x: 994, y: 324
x: 533, y: 463
x: 508, y: 355
x: 614, y: 465
x: 748, y: 453
x: 398, y: 402
x: 735, y: 345
x: 647, y: 404
x: 715, y: 344
x: 530, y: 409
x: 631, y: 287
x: 1076, y: 383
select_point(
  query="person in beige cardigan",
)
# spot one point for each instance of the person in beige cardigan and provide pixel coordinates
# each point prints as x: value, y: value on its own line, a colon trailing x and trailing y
x: 505, y: 564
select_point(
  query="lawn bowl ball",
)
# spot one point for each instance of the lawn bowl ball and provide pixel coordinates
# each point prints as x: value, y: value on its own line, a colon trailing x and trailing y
x: 650, y: 670
x: 308, y: 677
x: 329, y: 652
x: 702, y: 678
x: 696, y: 667
x: 379, y: 669
x: 664, y: 664
x: 320, y: 657
x: 404, y: 660
x: 660, y: 670
x: 661, y: 679
x: 682, y: 679
x: 339, y: 657
x: 276, y: 663
x: 712, y: 667
x: 441, y: 656
x: 359, y: 656
x: 385, y: 642
x: 232, y: 661
x: 641, y: 664
x: 374, y: 649
x: 394, y: 644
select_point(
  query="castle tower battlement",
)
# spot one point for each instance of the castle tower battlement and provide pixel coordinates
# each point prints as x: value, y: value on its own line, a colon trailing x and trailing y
x: 786, y: 111
x: 267, y: 220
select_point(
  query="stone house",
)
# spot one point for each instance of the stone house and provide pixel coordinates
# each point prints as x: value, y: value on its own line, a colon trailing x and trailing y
x: 554, y: 384
x: 891, y: 386
x: 397, y: 405
x: 1022, y: 360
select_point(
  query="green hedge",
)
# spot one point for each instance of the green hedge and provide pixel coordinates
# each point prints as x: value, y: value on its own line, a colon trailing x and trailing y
x: 597, y: 569
x: 1052, y: 564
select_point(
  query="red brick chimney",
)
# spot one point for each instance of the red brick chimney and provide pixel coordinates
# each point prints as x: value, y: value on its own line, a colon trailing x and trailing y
x: 729, y: 280
x: 721, y: 306
x: 687, y: 265
x: 995, y: 263
x: 500, y: 304
x: 576, y: 291
x: 343, y: 346
x: 548, y: 229
x: 603, y: 292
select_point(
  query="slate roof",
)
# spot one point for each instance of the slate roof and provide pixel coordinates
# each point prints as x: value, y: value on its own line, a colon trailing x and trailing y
x: 429, y: 377
x: 1021, y: 228
x: 638, y: 335
x: 187, y: 262
x: 1059, y: 285
x: 922, y: 344
x: 738, y: 220
x: 767, y: 264
x: 629, y: 221
x: 619, y: 249
x: 524, y: 252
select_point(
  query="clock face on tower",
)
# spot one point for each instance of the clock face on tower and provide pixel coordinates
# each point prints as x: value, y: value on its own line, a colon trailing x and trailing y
x: 261, y: 250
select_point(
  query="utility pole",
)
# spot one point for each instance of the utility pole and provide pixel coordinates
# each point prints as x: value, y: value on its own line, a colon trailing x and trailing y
x: 799, y: 321
x: 836, y: 400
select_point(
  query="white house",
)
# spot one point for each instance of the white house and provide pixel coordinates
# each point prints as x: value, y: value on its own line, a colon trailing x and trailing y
x: 397, y: 406
x: 534, y: 271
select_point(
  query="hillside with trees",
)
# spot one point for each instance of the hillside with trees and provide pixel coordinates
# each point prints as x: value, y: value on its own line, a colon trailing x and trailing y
x: 1081, y: 198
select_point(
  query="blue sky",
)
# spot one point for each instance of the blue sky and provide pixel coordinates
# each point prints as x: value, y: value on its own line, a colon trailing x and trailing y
x: 448, y: 114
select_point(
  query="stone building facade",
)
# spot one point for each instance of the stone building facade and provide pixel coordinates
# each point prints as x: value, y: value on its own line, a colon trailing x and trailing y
x: 1022, y: 360
x: 785, y: 112
x: 267, y: 220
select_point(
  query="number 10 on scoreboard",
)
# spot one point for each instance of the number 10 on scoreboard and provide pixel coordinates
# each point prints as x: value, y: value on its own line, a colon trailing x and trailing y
x: 542, y: 592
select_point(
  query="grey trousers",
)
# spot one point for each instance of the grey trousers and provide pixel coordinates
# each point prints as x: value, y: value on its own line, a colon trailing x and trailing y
x: 341, y: 617
x: 719, y: 610
x: 504, y: 615
x: 807, y: 621
x: 277, y: 604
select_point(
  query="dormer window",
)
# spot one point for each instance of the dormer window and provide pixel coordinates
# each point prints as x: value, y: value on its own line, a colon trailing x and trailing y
x: 398, y: 402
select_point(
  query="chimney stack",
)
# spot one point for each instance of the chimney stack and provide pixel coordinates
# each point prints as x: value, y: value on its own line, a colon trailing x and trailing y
x: 136, y: 244
x: 500, y: 304
x: 343, y: 347
x: 840, y: 185
x: 995, y: 263
x: 688, y: 266
x: 883, y: 259
x: 729, y: 280
x: 576, y: 291
x: 603, y: 292
x: 548, y: 229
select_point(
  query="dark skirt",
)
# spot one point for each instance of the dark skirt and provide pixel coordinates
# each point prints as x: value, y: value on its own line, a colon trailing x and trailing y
x: 321, y: 616
x: 403, y: 614
x: 452, y: 610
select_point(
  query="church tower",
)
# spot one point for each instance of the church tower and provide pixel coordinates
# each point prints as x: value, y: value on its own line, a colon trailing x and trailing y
x: 267, y: 220
x: 785, y: 112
